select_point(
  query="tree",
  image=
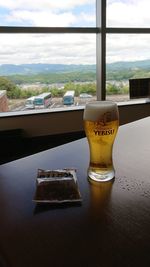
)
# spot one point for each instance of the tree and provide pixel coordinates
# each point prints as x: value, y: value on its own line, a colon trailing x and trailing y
x: 9, y: 86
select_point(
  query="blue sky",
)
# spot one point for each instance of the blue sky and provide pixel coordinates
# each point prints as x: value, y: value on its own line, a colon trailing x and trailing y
x: 52, y: 48
x: 63, y: 13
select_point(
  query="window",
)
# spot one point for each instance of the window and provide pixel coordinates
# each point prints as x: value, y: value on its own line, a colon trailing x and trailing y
x: 47, y: 46
x: 127, y: 35
x: 128, y: 13
x: 48, y: 13
x: 92, y: 47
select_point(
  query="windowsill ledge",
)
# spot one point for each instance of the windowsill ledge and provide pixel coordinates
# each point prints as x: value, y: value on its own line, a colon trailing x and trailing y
x: 67, y: 109
x: 69, y: 120
x: 134, y: 102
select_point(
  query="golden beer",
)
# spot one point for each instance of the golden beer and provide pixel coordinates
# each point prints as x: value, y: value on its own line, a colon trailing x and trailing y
x: 101, y: 122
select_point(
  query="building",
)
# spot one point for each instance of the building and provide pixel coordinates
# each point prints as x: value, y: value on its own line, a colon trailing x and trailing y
x: 3, y: 101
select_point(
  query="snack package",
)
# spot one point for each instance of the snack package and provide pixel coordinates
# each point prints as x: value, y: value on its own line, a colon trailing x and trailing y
x: 57, y: 186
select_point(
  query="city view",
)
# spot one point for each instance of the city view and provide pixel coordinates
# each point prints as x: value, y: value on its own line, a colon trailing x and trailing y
x: 31, y: 80
x: 33, y: 64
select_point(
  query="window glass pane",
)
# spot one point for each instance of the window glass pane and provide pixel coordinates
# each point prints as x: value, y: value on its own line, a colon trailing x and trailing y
x: 48, y: 13
x: 128, y: 13
x: 33, y: 64
x: 127, y: 58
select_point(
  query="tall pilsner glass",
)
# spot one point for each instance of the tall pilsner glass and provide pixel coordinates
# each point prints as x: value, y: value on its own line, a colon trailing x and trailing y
x: 101, y: 122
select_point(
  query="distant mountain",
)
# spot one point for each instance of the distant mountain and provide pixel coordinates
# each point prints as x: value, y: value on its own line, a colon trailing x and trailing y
x: 124, y: 65
x: 34, y: 69
x: 31, y: 69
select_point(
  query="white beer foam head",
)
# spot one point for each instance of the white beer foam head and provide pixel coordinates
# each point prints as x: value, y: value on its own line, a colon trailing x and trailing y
x: 95, y: 110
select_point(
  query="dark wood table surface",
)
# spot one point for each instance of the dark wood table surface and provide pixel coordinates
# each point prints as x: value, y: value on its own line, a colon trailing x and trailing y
x: 110, y: 228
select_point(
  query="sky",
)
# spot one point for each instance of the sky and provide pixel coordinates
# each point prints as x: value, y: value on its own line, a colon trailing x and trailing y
x: 74, y: 48
x: 128, y: 13
x: 52, y: 48
x: 52, y: 13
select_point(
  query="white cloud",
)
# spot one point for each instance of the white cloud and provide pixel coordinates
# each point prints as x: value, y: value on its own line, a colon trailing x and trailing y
x: 52, y: 48
x: 75, y: 48
x: 127, y: 47
x: 47, y: 12
x: 44, y: 18
x: 86, y: 17
x: 43, y: 48
x: 130, y: 13
x: 43, y: 4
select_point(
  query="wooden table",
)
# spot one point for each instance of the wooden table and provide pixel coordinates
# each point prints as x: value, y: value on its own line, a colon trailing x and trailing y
x: 110, y: 228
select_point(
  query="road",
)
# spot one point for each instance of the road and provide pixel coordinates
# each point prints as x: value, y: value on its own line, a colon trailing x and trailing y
x: 57, y: 102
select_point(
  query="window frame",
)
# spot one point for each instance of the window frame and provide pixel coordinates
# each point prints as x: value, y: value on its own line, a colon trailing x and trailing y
x: 62, y: 30
x: 101, y: 30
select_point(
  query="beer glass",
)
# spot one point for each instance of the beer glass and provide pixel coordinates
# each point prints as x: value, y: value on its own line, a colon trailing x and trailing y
x: 101, y: 122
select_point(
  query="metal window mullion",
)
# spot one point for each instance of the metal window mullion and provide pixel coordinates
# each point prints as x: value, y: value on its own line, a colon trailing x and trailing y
x: 98, y: 52
x: 101, y: 49
x: 47, y: 30
x: 127, y: 30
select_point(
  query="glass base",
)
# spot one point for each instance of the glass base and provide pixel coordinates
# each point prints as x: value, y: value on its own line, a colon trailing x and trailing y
x: 101, y: 176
